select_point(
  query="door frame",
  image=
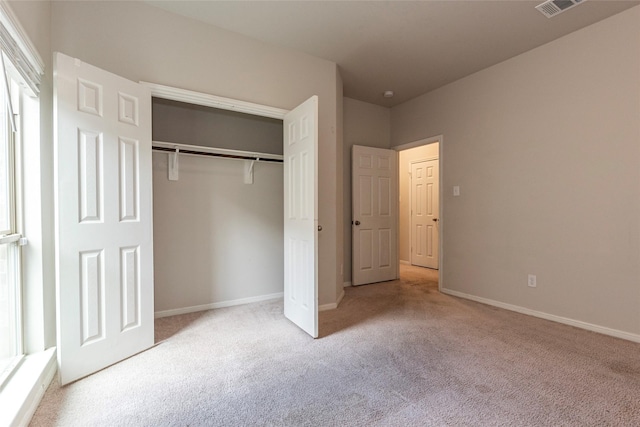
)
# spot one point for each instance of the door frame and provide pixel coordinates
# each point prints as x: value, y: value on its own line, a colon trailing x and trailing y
x: 219, y: 102
x: 420, y: 143
x: 206, y: 100
x: 213, y: 101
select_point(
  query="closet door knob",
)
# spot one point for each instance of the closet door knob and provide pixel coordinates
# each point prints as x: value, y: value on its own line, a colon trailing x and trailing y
x: 319, y: 228
x: 357, y: 222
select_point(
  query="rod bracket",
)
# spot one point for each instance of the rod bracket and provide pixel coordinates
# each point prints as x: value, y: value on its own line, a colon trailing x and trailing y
x: 248, y: 171
x: 173, y: 165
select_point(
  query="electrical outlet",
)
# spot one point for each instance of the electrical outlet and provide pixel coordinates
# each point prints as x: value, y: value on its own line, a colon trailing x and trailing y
x: 456, y: 190
x: 531, y: 281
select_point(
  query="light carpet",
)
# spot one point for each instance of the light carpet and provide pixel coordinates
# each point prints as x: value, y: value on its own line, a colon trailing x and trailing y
x: 393, y: 354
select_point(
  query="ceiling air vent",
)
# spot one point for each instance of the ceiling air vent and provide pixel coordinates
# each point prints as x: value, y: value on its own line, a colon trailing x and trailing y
x: 551, y: 8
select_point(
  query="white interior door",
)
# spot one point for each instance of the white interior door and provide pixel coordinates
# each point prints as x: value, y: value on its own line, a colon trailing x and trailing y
x: 104, y: 260
x: 301, y: 216
x: 424, y: 213
x: 374, y: 214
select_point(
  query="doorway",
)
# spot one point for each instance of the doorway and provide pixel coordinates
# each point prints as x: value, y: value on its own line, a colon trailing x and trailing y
x: 426, y: 157
x: 419, y: 207
x: 237, y: 216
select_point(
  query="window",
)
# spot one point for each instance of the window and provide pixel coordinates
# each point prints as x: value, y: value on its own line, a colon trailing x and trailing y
x: 11, y: 348
x: 25, y: 329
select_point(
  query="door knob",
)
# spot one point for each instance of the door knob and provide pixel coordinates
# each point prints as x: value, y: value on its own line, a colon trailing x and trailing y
x: 435, y: 219
x: 319, y: 228
x: 357, y: 222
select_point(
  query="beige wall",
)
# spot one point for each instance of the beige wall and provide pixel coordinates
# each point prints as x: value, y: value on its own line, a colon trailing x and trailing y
x: 141, y: 42
x: 209, y: 226
x: 340, y: 182
x: 364, y: 124
x: 212, y: 127
x: 216, y: 239
x: 546, y: 150
x: 405, y: 157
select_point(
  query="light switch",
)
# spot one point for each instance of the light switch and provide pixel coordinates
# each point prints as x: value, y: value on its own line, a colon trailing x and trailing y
x: 456, y: 190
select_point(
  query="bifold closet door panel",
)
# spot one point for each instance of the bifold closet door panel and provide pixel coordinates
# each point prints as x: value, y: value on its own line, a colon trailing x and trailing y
x: 216, y: 239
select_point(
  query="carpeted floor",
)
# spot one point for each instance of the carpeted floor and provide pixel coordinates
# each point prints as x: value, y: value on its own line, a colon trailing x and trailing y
x: 393, y: 354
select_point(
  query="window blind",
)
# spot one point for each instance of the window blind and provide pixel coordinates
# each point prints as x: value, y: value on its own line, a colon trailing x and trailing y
x: 19, y: 50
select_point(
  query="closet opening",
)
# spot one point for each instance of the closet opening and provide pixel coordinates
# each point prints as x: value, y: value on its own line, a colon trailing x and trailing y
x: 217, y: 207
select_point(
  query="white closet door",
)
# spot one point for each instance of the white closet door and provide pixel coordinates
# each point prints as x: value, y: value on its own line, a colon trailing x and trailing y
x: 104, y: 259
x: 301, y: 216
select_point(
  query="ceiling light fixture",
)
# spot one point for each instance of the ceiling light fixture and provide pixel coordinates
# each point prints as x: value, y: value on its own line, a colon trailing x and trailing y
x: 388, y: 94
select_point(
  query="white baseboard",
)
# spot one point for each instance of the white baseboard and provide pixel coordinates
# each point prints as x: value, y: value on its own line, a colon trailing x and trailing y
x: 340, y: 297
x: 325, y: 307
x: 333, y: 305
x: 404, y: 262
x: 222, y: 304
x: 347, y: 284
x: 565, y: 320
x: 23, y: 392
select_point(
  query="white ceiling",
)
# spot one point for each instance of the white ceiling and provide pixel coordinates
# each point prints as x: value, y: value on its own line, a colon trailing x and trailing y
x: 410, y: 47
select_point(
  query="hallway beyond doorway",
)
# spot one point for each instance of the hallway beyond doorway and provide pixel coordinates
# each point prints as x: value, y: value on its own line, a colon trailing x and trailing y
x: 415, y: 275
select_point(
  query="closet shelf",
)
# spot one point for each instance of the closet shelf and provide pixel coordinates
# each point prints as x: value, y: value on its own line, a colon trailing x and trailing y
x: 199, y: 150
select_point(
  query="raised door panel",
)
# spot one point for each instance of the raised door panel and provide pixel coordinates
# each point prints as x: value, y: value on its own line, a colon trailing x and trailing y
x: 90, y: 175
x: 129, y: 177
x: 130, y: 287
x: 92, y: 296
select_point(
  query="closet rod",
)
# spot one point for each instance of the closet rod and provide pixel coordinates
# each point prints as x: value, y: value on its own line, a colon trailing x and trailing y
x: 216, y: 152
